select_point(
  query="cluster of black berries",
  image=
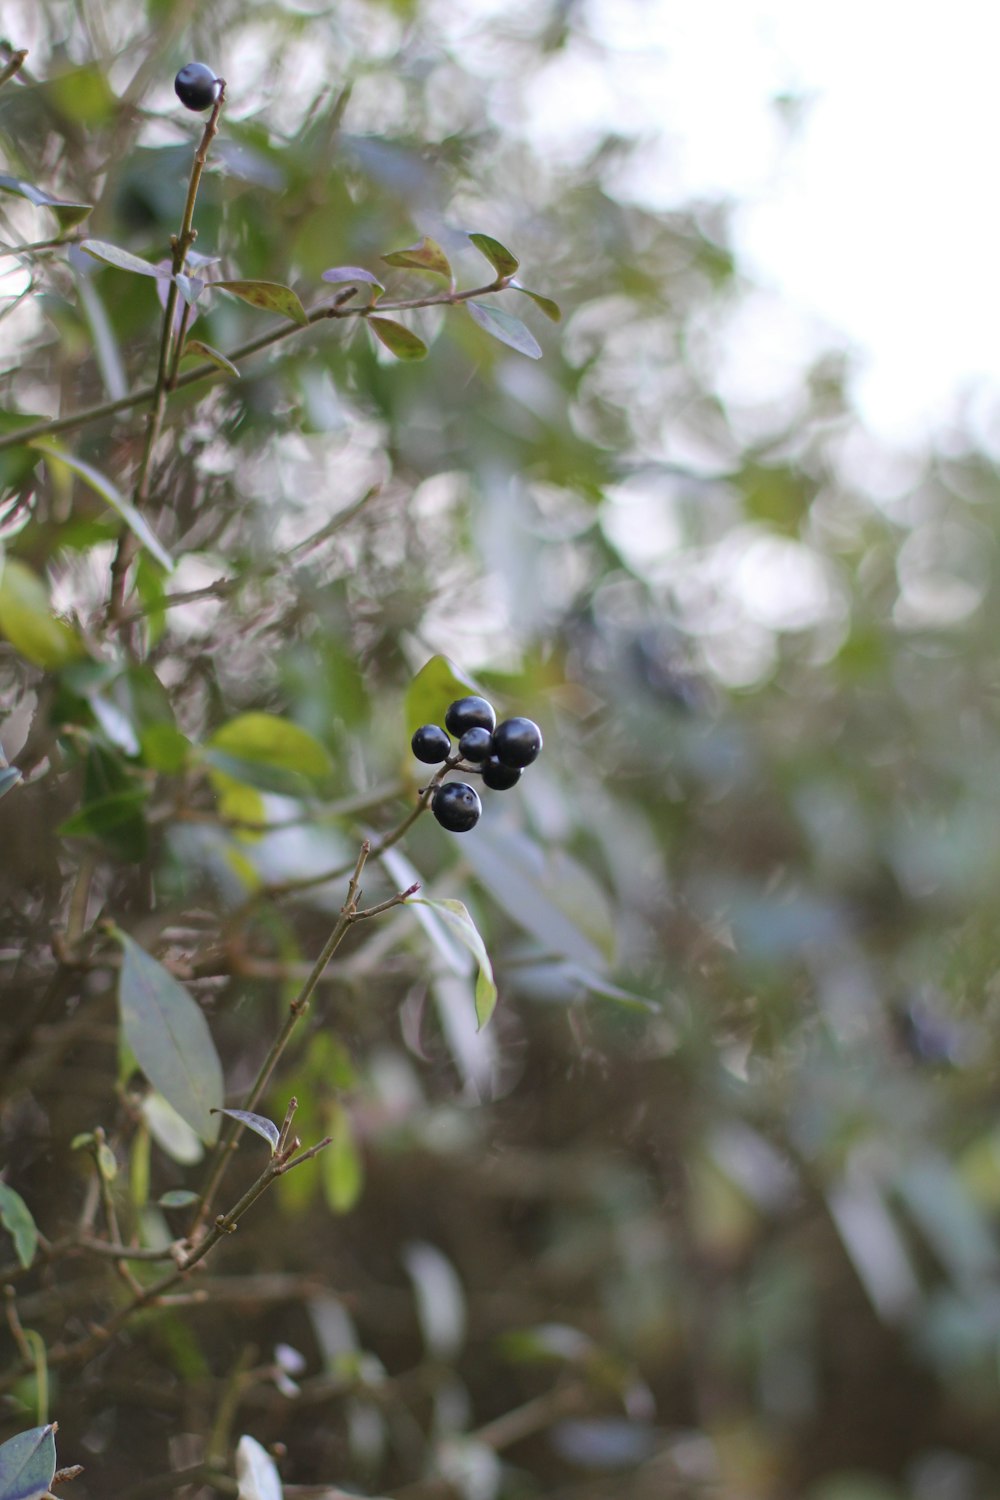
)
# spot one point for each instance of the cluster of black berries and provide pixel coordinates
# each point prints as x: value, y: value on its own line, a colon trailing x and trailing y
x: 496, y: 752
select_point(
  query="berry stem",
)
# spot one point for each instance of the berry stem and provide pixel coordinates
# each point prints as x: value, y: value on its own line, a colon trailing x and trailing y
x: 180, y: 245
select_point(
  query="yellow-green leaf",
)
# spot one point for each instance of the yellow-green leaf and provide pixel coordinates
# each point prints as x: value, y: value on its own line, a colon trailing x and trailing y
x: 425, y: 255
x: 27, y: 620
x: 269, y: 295
x: 455, y: 915
x: 400, y: 341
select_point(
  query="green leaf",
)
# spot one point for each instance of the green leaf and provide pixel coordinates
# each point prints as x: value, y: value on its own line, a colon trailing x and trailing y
x: 340, y: 1163
x: 269, y: 295
x: 170, y: 1039
x: 108, y: 492
x: 505, y: 327
x: 28, y: 1463
x: 193, y: 347
x: 68, y: 213
x: 26, y: 619
x: 15, y: 1216
x: 118, y: 819
x: 256, y: 1474
x: 338, y: 275
x: 456, y: 917
x: 164, y: 748
x: 400, y: 341
x: 177, y: 1198
x: 124, y: 259
x: 435, y: 687
x: 262, y: 739
x: 425, y: 255
x: 499, y: 257
x: 551, y: 309
x: 9, y: 777
x: 173, y: 1135
x: 260, y: 1123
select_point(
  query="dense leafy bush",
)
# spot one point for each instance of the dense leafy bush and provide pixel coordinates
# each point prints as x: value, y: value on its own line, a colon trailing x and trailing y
x: 650, y: 1149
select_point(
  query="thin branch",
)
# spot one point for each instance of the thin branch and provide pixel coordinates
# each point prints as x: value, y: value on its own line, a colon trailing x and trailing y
x: 86, y: 415
x: 17, y: 60
x: 181, y: 245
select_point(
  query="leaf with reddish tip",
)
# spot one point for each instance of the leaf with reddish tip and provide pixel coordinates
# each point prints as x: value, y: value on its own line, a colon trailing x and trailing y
x: 425, y: 255
x: 269, y: 295
x: 505, y: 327
x: 400, y: 341
x: 500, y: 258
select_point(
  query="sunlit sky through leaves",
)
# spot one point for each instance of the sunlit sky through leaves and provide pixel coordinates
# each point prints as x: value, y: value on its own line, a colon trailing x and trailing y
x: 860, y: 142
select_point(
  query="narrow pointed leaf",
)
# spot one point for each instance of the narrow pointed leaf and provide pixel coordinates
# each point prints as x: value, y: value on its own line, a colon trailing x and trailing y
x: 28, y: 622
x: 27, y: 1464
x: 455, y: 916
x: 194, y: 347
x: 259, y: 1123
x: 505, y: 327
x: 256, y: 1474
x: 269, y: 295
x: 400, y: 341
x: 9, y: 777
x: 339, y: 275
x: 169, y: 1036
x: 112, y: 255
x: 102, y: 485
x: 499, y: 257
x: 551, y: 309
x: 67, y: 212
x: 15, y: 1216
x: 425, y: 255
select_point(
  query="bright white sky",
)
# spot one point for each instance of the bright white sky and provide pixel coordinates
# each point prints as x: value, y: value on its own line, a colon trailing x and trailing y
x: 878, y: 214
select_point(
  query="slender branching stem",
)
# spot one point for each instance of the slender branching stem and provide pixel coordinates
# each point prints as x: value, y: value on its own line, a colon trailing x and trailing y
x: 180, y: 247
x: 90, y: 414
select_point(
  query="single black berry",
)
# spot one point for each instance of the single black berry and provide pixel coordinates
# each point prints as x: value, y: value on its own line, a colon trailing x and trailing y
x: 456, y: 806
x: 469, y: 713
x: 430, y: 744
x: 498, y: 777
x: 476, y: 744
x: 196, y: 86
x: 517, y: 742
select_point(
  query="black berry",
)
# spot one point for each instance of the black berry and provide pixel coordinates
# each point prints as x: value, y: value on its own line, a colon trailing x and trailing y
x: 476, y: 744
x: 430, y: 744
x: 196, y: 86
x: 498, y: 777
x: 517, y: 742
x: 456, y: 806
x: 469, y: 713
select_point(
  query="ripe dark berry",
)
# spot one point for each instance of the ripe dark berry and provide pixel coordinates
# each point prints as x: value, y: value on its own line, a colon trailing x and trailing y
x: 476, y: 744
x: 430, y: 744
x: 196, y: 86
x: 517, y: 742
x: 498, y: 777
x: 469, y: 713
x: 456, y: 806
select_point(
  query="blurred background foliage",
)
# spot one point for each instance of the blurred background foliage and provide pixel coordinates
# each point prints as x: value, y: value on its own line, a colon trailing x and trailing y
x: 711, y: 1207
